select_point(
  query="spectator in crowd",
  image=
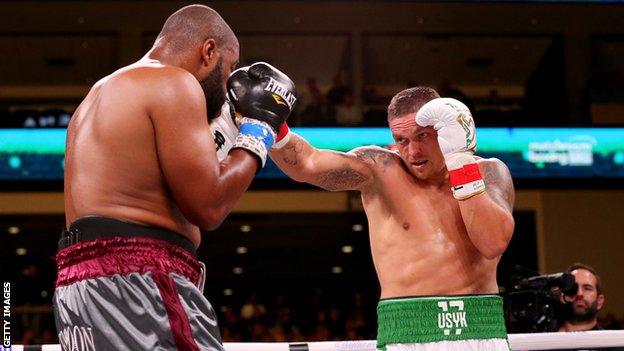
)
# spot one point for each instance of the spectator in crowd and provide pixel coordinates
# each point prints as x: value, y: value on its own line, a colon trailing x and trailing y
x: 315, y: 111
x: 28, y: 337
x: 232, y: 324
x: 372, y: 97
x: 335, y: 95
x: 47, y: 337
x: 335, y: 322
x: 493, y: 101
x: 348, y: 113
x: 374, y: 107
x: 252, y: 310
x: 331, y: 317
x: 446, y: 89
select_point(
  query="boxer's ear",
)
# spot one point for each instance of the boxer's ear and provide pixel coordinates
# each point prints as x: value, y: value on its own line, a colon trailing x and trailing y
x: 209, y: 52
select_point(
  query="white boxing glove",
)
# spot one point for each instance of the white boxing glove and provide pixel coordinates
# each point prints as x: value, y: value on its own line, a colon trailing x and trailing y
x: 224, y: 130
x: 457, y: 137
x: 454, y: 123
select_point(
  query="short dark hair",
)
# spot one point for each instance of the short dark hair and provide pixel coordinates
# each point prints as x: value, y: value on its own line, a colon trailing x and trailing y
x: 589, y: 268
x: 410, y: 101
x: 195, y: 23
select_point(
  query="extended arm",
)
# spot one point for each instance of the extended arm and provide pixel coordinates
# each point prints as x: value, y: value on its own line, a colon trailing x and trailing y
x: 330, y: 170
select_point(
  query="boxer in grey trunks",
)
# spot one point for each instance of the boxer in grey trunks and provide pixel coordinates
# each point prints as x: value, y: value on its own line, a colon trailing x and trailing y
x: 108, y: 267
x: 142, y: 176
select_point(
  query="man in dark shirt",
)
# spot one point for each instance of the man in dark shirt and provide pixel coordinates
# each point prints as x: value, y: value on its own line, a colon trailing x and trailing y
x: 581, y: 313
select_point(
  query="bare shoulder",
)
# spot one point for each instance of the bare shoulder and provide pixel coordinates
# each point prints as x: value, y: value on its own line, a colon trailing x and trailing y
x: 160, y: 87
x: 357, y: 169
x: 493, y: 165
x: 169, y: 78
x: 153, y: 78
x: 375, y: 156
x: 498, y: 182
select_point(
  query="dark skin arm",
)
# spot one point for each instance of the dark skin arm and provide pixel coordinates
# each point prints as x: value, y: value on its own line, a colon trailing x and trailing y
x: 204, y: 189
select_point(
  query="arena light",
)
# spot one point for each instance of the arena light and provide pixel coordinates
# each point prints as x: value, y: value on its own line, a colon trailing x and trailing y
x: 15, y: 162
x: 241, y: 250
x: 347, y: 249
x: 237, y: 270
x: 14, y: 230
x: 21, y: 251
x: 245, y: 228
x: 228, y: 292
x: 336, y: 269
x: 357, y: 227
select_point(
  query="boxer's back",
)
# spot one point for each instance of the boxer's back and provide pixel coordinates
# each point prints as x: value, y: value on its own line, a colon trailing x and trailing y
x: 111, y: 163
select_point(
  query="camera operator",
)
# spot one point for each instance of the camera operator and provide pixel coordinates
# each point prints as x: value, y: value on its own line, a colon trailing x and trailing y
x: 580, y: 311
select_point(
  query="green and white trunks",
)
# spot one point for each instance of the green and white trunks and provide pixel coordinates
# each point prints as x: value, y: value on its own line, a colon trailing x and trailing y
x: 470, y: 322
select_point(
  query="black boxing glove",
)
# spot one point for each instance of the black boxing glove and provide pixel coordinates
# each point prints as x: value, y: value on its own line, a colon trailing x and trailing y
x: 262, y: 92
x: 265, y: 97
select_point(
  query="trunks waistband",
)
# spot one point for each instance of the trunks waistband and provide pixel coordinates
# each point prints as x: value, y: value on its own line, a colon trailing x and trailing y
x: 442, y: 318
x: 115, y: 252
x: 96, y: 227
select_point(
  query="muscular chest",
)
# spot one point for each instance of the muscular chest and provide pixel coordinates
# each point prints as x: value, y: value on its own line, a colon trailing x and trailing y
x: 415, y: 210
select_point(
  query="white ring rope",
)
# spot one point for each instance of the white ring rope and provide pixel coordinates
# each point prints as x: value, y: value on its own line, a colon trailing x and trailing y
x: 518, y: 342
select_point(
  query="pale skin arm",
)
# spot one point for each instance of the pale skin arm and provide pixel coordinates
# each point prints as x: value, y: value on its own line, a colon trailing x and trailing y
x: 330, y: 170
x: 488, y: 216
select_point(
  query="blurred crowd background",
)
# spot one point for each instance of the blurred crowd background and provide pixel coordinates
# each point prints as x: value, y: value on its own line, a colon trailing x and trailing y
x: 292, y: 263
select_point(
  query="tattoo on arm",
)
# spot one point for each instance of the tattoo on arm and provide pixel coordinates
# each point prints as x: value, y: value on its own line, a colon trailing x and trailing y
x: 498, y: 184
x: 374, y: 156
x: 346, y: 177
x: 292, y: 151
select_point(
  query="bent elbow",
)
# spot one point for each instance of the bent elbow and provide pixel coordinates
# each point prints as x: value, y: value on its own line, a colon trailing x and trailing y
x: 499, y: 245
x: 214, y: 217
x: 492, y: 253
x: 210, y: 226
x: 208, y: 218
x: 507, y: 231
x: 495, y: 249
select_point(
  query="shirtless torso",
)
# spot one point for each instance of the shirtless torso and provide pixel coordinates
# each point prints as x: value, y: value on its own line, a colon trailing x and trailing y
x: 418, y: 239
x: 423, y: 240
x: 111, y: 165
x: 140, y: 149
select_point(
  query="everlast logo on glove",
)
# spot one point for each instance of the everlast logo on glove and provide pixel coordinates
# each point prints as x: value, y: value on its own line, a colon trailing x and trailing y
x: 259, y: 93
x: 282, y: 92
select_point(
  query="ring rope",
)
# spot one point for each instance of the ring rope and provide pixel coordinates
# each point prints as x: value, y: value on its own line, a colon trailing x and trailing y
x: 530, y: 341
